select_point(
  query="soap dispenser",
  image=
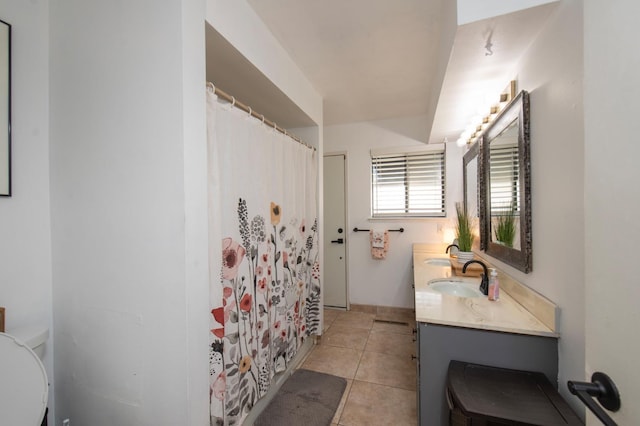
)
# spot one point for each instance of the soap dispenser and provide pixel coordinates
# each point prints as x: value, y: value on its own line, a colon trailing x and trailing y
x: 494, y: 285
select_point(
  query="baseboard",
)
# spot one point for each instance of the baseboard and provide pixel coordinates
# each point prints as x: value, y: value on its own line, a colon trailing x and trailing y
x: 389, y: 313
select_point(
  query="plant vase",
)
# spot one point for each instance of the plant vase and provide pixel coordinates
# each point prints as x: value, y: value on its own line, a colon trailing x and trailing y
x: 465, y: 256
x: 464, y: 234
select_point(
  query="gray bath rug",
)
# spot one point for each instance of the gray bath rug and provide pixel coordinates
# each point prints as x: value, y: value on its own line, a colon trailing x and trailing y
x: 307, y: 398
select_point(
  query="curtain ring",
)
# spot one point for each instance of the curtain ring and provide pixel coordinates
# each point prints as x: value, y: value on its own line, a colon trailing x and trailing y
x: 275, y: 126
x: 262, y: 118
x: 250, y: 111
x: 233, y: 101
x: 211, y: 87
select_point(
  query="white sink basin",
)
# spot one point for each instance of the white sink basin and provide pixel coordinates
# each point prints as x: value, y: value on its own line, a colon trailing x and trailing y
x: 438, y: 261
x: 455, y: 288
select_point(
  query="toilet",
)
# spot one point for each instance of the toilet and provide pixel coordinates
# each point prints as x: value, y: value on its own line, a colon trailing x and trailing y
x: 24, y: 390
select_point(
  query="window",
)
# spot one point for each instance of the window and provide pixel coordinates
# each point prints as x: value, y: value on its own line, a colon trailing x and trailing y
x: 408, y: 183
x: 505, y: 175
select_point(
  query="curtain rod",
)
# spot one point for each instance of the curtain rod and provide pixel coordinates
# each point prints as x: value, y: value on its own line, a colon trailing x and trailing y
x: 235, y: 103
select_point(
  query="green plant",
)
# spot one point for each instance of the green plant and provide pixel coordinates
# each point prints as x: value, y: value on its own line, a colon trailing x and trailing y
x: 463, y: 228
x: 506, y: 226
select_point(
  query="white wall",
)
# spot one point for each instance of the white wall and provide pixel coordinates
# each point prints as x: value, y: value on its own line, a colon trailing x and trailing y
x: 612, y: 199
x: 127, y: 177
x: 25, y: 228
x: 551, y: 70
x: 196, y: 242
x: 385, y: 282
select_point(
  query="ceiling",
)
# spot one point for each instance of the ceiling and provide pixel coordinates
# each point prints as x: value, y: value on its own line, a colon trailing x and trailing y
x: 368, y: 59
x: 380, y: 59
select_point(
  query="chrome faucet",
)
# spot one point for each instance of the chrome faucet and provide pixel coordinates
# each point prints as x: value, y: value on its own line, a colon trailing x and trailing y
x: 451, y: 245
x: 484, y: 282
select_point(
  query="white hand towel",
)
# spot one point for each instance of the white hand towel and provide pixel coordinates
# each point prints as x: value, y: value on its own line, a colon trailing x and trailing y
x: 379, y: 244
x: 377, y: 239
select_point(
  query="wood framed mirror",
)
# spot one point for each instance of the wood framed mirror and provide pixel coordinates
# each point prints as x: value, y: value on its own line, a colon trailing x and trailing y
x: 5, y: 109
x: 506, y: 187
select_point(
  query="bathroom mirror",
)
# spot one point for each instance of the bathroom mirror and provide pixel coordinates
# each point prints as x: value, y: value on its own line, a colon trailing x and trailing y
x: 5, y: 109
x: 470, y: 176
x: 506, y: 169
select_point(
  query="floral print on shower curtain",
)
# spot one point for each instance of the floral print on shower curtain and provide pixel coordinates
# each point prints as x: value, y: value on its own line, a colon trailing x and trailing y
x: 265, y: 284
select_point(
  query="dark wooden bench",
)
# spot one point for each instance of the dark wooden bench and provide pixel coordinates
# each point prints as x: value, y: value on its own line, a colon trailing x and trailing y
x: 480, y: 395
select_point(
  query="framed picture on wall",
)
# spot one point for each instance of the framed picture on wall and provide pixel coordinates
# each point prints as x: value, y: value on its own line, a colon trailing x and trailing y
x: 5, y: 109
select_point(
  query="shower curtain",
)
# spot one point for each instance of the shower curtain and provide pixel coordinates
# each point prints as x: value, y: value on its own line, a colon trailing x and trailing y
x: 265, y: 284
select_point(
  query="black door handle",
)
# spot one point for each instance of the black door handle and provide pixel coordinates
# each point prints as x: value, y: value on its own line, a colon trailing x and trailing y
x: 338, y: 241
x: 603, y: 388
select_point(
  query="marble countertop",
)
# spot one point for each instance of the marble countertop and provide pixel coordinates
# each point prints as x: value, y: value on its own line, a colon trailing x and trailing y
x: 504, y: 315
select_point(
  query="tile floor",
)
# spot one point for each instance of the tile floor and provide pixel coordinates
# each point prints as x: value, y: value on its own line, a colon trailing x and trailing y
x: 375, y: 358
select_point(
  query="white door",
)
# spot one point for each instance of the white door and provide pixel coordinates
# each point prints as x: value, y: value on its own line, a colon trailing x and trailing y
x: 335, y: 232
x: 612, y: 200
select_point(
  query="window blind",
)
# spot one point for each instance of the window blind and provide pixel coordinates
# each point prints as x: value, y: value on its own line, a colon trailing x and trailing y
x: 408, y: 184
x: 505, y: 179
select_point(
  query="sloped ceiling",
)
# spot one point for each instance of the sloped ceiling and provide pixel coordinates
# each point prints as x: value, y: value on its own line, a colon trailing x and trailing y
x: 369, y: 59
x: 380, y: 59
x: 476, y: 75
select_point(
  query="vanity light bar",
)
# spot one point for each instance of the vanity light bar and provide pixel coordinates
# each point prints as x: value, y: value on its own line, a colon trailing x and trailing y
x: 505, y: 97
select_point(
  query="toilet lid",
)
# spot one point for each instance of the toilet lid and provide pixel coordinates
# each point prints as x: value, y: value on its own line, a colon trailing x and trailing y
x: 24, y: 389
